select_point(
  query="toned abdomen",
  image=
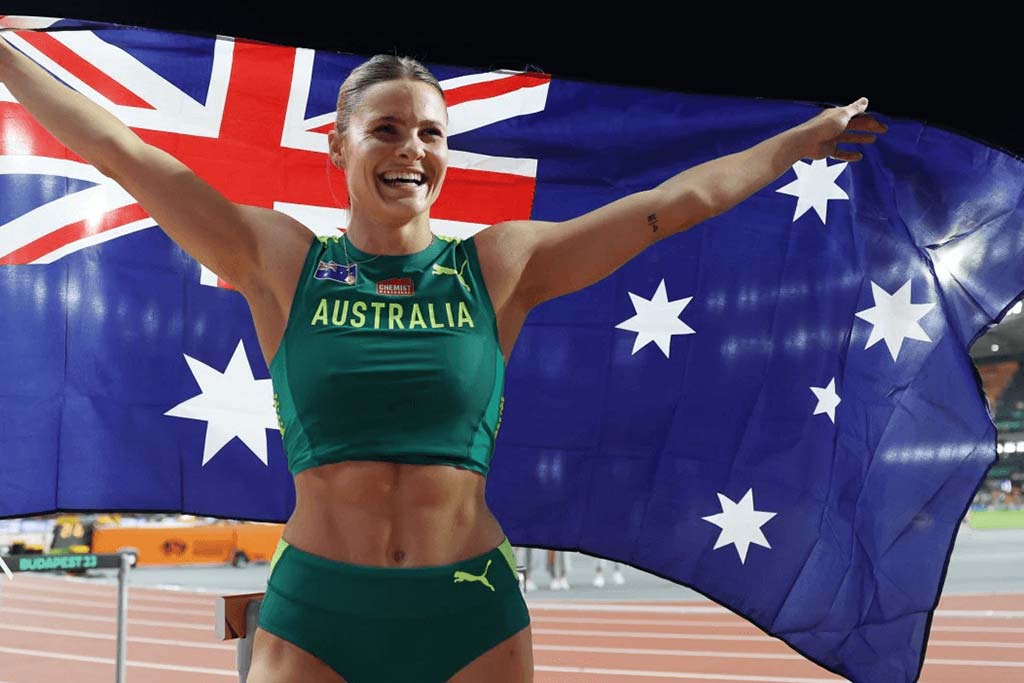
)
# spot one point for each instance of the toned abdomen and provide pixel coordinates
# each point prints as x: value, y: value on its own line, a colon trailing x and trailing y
x: 393, y: 515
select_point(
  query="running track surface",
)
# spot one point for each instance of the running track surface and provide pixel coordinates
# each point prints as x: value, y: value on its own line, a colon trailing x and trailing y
x: 63, y: 631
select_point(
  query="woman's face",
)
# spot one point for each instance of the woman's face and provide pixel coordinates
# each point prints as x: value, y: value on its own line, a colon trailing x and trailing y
x: 395, y: 151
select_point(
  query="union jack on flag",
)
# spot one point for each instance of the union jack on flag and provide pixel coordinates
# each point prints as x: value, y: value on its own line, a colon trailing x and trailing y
x: 234, y: 112
x: 775, y: 407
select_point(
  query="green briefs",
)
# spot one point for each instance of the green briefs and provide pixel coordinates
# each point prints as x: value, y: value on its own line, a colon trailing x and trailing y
x: 384, y: 625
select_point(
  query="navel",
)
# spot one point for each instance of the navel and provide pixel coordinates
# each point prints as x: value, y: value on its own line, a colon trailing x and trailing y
x: 399, y: 555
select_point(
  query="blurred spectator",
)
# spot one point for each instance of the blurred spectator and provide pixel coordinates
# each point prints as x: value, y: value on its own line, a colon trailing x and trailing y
x: 524, y: 558
x: 556, y: 568
x: 616, y: 574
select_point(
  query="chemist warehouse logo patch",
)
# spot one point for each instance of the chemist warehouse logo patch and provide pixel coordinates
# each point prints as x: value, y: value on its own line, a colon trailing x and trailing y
x: 396, y: 286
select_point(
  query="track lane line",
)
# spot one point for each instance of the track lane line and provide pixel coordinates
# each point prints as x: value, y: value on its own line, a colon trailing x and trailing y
x: 109, y: 661
x: 107, y: 605
x: 111, y: 620
x: 109, y: 636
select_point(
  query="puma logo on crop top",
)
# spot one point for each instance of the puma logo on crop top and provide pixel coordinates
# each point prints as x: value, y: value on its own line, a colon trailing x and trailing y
x: 402, y: 365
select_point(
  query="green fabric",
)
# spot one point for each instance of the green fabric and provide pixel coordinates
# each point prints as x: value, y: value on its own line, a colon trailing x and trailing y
x: 388, y: 625
x: 403, y: 366
x: 505, y: 548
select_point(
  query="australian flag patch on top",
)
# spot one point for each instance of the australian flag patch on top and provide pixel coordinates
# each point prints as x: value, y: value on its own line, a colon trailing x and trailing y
x: 336, y: 271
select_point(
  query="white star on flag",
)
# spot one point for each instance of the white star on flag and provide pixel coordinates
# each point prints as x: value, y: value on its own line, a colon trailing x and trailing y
x: 232, y: 403
x: 894, y: 318
x: 815, y: 184
x: 740, y: 523
x: 827, y: 400
x: 656, y: 320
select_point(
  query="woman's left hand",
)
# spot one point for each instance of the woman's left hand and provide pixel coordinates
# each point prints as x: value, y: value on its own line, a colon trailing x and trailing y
x: 820, y: 137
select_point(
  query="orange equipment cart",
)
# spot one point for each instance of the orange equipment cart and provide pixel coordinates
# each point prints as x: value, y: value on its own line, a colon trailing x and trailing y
x: 236, y: 542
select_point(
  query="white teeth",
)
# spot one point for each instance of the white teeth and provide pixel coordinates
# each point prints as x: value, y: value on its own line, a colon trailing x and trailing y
x: 414, y: 177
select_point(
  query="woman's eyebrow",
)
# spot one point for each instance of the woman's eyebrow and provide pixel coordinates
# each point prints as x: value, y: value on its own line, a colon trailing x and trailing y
x: 391, y: 118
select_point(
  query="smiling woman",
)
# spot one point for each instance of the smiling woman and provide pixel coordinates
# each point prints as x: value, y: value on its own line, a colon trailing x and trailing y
x: 389, y: 139
x: 430, y: 387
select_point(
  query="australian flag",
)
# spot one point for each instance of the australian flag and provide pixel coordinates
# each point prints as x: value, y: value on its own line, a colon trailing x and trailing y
x: 775, y: 407
x: 338, y: 272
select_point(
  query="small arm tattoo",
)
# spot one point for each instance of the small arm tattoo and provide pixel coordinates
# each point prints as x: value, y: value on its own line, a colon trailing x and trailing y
x: 652, y: 220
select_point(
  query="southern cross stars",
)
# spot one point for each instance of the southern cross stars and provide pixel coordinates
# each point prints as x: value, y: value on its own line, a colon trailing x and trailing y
x: 656, y: 320
x: 827, y: 400
x: 815, y: 184
x: 894, y: 318
x: 740, y: 523
x: 232, y: 403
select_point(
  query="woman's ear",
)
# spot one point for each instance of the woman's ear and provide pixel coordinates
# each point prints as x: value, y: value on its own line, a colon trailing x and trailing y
x: 336, y: 149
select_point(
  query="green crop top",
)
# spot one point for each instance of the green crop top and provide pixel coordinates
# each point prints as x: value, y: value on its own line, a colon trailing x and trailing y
x: 402, y: 365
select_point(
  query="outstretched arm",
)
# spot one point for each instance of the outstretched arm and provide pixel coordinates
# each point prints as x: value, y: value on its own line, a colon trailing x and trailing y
x: 233, y: 240
x: 545, y: 260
